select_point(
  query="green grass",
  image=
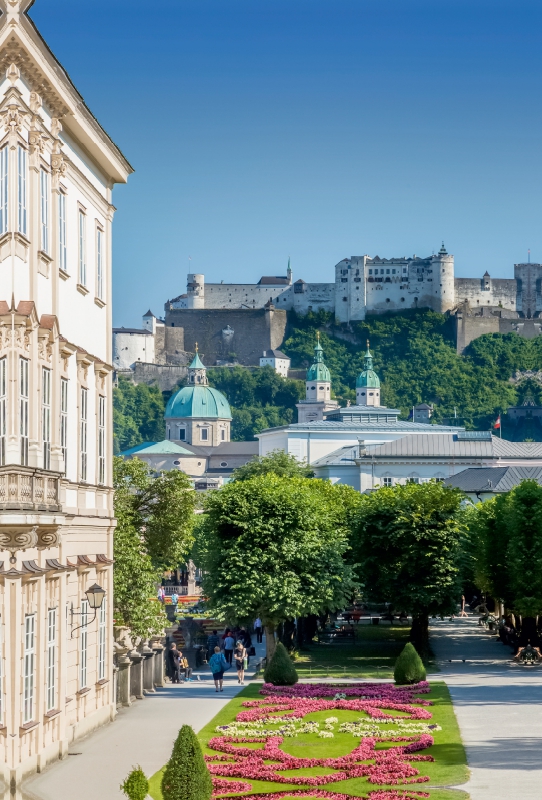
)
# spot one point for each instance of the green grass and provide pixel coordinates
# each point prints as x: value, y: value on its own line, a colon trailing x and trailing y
x: 373, y: 655
x: 449, y: 768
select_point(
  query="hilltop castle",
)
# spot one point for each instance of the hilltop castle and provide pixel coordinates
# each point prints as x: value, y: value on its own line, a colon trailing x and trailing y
x: 240, y: 321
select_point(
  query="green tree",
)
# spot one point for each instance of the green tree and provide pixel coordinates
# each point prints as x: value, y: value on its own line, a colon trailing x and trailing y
x: 280, y: 671
x: 508, y: 531
x: 154, y: 531
x: 274, y: 547
x: 409, y: 667
x: 408, y: 540
x: 136, y: 785
x: 279, y: 462
x: 186, y: 776
x: 138, y: 414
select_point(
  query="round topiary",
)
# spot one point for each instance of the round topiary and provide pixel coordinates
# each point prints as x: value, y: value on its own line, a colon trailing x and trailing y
x: 409, y: 667
x: 280, y: 671
x: 136, y: 785
x: 186, y: 776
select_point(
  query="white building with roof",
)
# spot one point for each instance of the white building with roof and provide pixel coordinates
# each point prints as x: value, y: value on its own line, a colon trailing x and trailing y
x: 276, y: 359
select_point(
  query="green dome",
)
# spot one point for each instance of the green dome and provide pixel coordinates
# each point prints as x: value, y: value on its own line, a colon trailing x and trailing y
x: 198, y: 402
x: 368, y: 378
x: 318, y: 371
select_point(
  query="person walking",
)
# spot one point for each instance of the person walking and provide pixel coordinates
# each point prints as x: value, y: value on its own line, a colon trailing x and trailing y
x: 161, y: 594
x: 174, y: 601
x: 229, y: 644
x: 240, y: 661
x: 218, y: 665
x: 258, y: 627
x: 172, y: 663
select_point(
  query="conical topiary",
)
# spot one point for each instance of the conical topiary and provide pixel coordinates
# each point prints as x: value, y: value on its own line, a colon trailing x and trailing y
x: 409, y: 667
x: 186, y: 776
x: 280, y: 670
x: 136, y: 785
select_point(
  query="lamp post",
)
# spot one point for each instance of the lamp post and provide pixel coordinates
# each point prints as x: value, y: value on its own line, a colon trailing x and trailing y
x: 95, y: 597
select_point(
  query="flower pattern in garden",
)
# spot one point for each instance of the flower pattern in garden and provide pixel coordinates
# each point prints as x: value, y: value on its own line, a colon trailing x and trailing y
x: 394, y: 716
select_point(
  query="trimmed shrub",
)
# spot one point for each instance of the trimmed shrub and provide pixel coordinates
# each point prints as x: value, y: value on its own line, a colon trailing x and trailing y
x: 136, y: 785
x: 280, y: 671
x: 409, y: 667
x: 186, y: 776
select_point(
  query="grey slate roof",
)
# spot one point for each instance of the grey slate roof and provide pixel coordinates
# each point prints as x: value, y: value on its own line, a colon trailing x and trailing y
x: 360, y: 427
x: 448, y: 445
x: 493, y: 479
x: 343, y: 457
x: 275, y: 354
x: 132, y: 330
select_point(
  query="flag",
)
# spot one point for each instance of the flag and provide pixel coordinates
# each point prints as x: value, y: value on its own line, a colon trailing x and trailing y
x: 498, y: 422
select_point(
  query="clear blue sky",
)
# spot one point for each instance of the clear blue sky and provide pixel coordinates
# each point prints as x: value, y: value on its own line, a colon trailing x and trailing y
x: 318, y: 129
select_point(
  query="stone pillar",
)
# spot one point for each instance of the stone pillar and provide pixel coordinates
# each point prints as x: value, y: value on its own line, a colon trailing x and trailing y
x: 136, y: 677
x: 148, y: 667
x: 124, y: 674
x: 158, y: 661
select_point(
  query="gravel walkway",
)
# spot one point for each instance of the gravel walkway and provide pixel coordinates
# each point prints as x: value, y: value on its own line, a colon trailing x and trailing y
x: 498, y: 708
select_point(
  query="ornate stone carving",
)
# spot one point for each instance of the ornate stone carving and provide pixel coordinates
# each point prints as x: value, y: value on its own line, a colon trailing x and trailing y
x: 17, y: 539
x: 48, y: 537
x: 13, y: 73
x: 35, y: 102
x: 13, y: 119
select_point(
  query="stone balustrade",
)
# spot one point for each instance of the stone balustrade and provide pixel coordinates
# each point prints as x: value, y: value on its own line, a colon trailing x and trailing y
x: 29, y: 489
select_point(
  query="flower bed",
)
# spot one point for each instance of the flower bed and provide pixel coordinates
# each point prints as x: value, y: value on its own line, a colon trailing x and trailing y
x: 360, y: 742
x: 384, y: 759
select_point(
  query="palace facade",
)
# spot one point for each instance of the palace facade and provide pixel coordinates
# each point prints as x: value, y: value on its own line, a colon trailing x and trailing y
x: 57, y: 171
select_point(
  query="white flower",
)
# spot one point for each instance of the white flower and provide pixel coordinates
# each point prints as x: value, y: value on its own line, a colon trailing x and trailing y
x: 325, y: 735
x: 330, y: 720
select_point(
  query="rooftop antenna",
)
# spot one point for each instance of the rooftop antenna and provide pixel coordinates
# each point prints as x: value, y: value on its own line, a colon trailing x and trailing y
x: 529, y: 256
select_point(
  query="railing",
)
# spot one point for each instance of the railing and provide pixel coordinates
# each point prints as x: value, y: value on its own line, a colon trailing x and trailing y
x: 28, y: 489
x: 168, y: 590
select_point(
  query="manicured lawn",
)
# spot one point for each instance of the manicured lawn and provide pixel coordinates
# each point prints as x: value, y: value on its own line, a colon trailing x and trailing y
x: 373, y: 655
x: 448, y: 769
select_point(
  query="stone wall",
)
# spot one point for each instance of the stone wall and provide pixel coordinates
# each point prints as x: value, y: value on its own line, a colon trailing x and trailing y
x: 223, y: 332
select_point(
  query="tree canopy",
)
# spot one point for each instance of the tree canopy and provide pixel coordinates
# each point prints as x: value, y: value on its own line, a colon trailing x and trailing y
x: 154, y: 532
x: 407, y: 540
x: 138, y: 414
x: 508, y: 535
x: 283, y: 464
x: 274, y: 547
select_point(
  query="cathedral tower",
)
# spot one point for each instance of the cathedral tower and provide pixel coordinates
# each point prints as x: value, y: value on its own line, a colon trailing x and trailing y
x: 368, y: 384
x: 317, y: 389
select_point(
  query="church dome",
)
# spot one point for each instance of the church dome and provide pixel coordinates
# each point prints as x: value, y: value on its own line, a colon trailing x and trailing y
x: 318, y: 371
x: 368, y: 378
x: 198, y: 402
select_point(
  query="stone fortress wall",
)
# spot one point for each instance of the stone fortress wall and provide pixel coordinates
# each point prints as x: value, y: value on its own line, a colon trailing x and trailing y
x: 243, y: 320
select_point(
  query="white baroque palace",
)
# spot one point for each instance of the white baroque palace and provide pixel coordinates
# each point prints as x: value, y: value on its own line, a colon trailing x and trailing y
x: 57, y: 171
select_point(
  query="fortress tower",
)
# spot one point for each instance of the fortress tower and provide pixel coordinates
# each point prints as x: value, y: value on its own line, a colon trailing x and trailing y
x: 195, y: 291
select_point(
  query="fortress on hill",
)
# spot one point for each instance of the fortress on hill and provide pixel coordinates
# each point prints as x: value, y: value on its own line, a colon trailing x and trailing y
x: 238, y: 321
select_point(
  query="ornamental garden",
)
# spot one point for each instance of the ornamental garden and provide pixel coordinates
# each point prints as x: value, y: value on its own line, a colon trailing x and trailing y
x: 333, y: 741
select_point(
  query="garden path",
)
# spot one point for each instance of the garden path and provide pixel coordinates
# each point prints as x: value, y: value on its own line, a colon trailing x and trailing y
x: 497, y: 705
x: 142, y: 734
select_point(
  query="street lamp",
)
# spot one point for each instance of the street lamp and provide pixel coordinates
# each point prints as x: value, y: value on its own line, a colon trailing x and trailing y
x: 95, y: 597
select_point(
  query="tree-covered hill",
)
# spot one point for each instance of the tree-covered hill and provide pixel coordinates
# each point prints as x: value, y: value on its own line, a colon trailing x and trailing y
x: 414, y: 354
